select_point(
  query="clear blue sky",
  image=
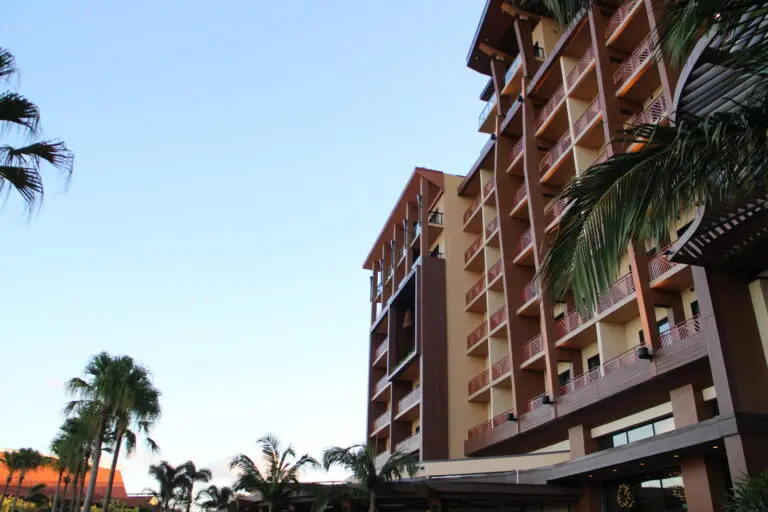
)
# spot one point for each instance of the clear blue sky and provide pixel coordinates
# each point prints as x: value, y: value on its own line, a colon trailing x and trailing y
x: 234, y: 162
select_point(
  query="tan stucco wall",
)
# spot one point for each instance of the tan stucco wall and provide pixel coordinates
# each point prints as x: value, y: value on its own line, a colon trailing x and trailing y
x: 759, y: 292
x: 612, y: 340
x: 491, y: 464
x: 557, y: 447
x: 687, y: 297
x: 587, y: 352
x: 546, y: 32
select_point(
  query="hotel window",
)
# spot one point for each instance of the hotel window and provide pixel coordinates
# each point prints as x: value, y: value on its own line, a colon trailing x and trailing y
x: 694, y: 308
x: 663, y: 325
x: 593, y: 362
x: 637, y: 433
x: 564, y: 377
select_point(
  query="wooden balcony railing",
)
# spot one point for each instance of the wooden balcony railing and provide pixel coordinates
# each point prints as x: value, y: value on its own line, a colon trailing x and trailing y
x: 480, y: 332
x: 480, y: 429
x: 660, y: 265
x: 680, y: 331
x: 620, y: 290
x: 476, y: 290
x: 653, y: 113
x: 520, y: 194
x: 530, y: 292
x: 581, y: 66
x: 581, y: 381
x: 550, y: 106
x: 489, y: 187
x: 639, y: 57
x: 409, y: 444
x: 526, y: 239
x: 618, y: 17
x: 498, y: 318
x: 495, y: 271
x: 500, y: 419
x: 380, y: 385
x: 535, y: 402
x: 517, y: 149
x: 479, y: 382
x: 472, y: 209
x: 409, y: 400
x: 556, y: 152
x: 474, y: 248
x: 621, y: 361
x: 382, y: 421
x: 555, y: 210
x: 593, y: 110
x: 570, y: 323
x: 501, y: 368
x: 381, y: 350
x: 535, y: 346
x: 492, y: 227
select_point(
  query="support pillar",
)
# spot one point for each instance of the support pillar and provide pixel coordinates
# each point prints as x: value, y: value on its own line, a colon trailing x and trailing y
x: 642, y: 279
x: 591, y: 500
x: 704, y: 484
x: 581, y: 441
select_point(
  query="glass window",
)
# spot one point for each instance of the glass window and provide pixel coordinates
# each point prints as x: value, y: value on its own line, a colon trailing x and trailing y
x: 620, y: 439
x: 644, y: 432
x: 641, y: 335
x: 695, y: 308
x: 663, y: 325
x: 564, y: 377
x: 665, y: 425
x: 593, y: 362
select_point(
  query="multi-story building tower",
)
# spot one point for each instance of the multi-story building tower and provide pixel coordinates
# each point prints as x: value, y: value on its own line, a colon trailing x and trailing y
x: 646, y: 396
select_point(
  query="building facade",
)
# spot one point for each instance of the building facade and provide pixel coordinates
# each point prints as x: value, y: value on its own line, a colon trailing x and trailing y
x: 651, y: 399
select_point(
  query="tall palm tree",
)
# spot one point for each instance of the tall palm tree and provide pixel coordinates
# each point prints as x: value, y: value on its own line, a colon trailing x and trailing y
x: 20, y: 166
x: 60, y: 466
x: 193, y: 475
x: 171, y: 484
x: 215, y: 498
x: 67, y: 479
x: 12, y: 464
x: 29, y: 460
x: 692, y: 161
x: 360, y: 460
x: 279, y: 478
x: 72, y: 445
x: 112, y: 387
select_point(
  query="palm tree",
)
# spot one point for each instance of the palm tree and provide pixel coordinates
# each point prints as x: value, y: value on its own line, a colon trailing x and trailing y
x: 194, y: 475
x: 67, y: 479
x: 73, y: 446
x: 692, y: 161
x: 113, y: 387
x: 171, y: 484
x: 36, y: 496
x: 215, y: 498
x: 60, y: 466
x: 750, y: 494
x: 279, y: 480
x: 12, y: 464
x: 29, y: 460
x: 20, y: 166
x: 360, y: 460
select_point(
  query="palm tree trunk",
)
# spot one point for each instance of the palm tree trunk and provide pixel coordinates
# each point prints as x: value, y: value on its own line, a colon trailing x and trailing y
x: 63, y: 496
x: 189, y: 498
x: 112, y: 469
x: 372, y: 504
x: 56, y: 494
x: 5, y: 490
x: 96, y: 458
x: 16, y: 494
x: 73, y: 502
x: 81, y: 487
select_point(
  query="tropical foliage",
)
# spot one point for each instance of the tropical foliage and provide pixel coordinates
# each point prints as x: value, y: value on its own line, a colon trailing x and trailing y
x: 215, y: 498
x: 175, y: 484
x: 750, y: 494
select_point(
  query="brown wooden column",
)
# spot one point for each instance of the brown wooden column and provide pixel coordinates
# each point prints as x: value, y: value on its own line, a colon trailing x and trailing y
x: 591, y: 500
x: 704, y: 483
x: 642, y: 278
x: 667, y: 74
x: 605, y: 85
x: 687, y: 406
x: 581, y: 441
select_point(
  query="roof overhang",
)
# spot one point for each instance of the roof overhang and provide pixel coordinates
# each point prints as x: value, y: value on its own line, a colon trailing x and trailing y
x: 495, y: 31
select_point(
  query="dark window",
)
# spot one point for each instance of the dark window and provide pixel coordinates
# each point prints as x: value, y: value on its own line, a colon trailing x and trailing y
x: 418, y: 429
x: 641, y: 335
x: 559, y: 316
x: 695, y: 308
x: 564, y: 377
x: 593, y: 362
x: 663, y: 325
x: 637, y: 433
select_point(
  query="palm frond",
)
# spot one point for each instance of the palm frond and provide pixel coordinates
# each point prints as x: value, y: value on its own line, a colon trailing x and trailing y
x: 7, y: 63
x: 398, y: 465
x: 17, y: 110
x: 25, y: 180
x: 564, y: 11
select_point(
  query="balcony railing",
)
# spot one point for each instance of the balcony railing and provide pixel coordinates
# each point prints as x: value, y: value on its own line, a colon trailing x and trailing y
x: 621, y: 289
x: 579, y: 68
x: 472, y: 209
x: 380, y: 350
x: 530, y: 292
x: 501, y: 368
x: 681, y: 331
x: 555, y: 210
x: 435, y: 253
x: 534, y: 347
x: 513, y: 69
x: 382, y: 421
x: 621, y: 361
x: 478, y: 383
x: 653, y: 113
x: 582, y: 381
x: 639, y: 57
x: 659, y: 265
x: 489, y: 187
x: 381, y: 458
x: 500, y: 419
x: 550, y: 106
x: 435, y: 218
x: 495, y: 271
x: 581, y: 124
x: 401, y: 253
x: 478, y: 334
x: 556, y: 152
x: 570, y: 323
x: 409, y: 400
x: 476, y: 290
x: 480, y: 429
x: 390, y: 273
x: 492, y: 227
x: 535, y: 402
x: 525, y: 240
x: 520, y: 194
x: 380, y: 385
x: 602, y: 157
x: 476, y: 246
x: 407, y: 355
x: 410, y: 444
x: 415, y: 231
x: 498, y: 318
x: 517, y: 149
x: 618, y: 17
x: 487, y: 109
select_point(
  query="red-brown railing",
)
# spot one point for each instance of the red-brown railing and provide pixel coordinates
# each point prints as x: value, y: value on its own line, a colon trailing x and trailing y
x: 380, y: 385
x: 681, y: 331
x: 530, y: 292
x: 517, y: 149
x: 579, y: 68
x: 618, y: 17
x: 478, y: 334
x: 382, y: 421
x: 495, y: 271
x: 659, y: 265
x: 639, y: 57
x: 556, y: 152
x: 555, y: 210
x: 550, y: 107
x: 570, y: 323
x: 653, y: 113
x: 476, y: 290
x: 472, y: 209
x: 533, y: 347
x: 489, y: 186
x: 409, y: 400
x: 492, y: 227
x: 476, y: 245
x: 498, y: 318
x: 520, y: 194
x: 582, y: 381
x: 381, y: 349
x: 501, y: 368
x: 480, y: 429
x: 526, y: 239
x: 535, y: 402
x: 593, y: 110
x: 621, y: 361
x: 621, y: 289
x: 500, y: 419
x: 478, y: 383
x: 409, y: 444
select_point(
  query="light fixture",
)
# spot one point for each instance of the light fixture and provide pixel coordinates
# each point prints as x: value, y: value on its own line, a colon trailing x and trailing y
x: 511, y: 416
x: 615, y: 470
x: 546, y: 400
x: 642, y: 463
x: 676, y: 456
x: 714, y: 446
x: 642, y: 352
x: 590, y: 476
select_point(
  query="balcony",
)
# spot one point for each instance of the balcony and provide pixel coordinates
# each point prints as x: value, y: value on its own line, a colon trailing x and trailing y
x: 408, y: 402
x: 435, y: 218
x: 572, y: 322
x: 501, y: 368
x: 586, y: 61
x: 554, y: 211
x: 653, y: 114
x: 382, y: 421
x: 474, y: 339
x: 515, y: 156
x: 587, y: 119
x: 680, y: 331
x: 635, y: 64
x: 485, y: 119
x: 471, y: 261
x: 620, y: 18
x: 381, y: 458
x: 581, y: 381
x: 494, y: 283
x: 524, y: 245
x: 501, y: 419
x: 554, y: 156
x: 469, y: 214
x: 488, y: 189
x: 378, y: 354
x: 668, y: 275
x: 480, y: 429
x: 492, y: 232
x: 409, y: 444
x: 520, y: 201
x: 535, y: 402
x: 621, y: 289
x: 533, y: 348
x: 380, y: 386
x: 659, y: 265
x: 549, y: 108
x: 528, y: 299
x: 473, y: 296
x: 497, y: 320
x: 477, y: 387
x: 512, y: 86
